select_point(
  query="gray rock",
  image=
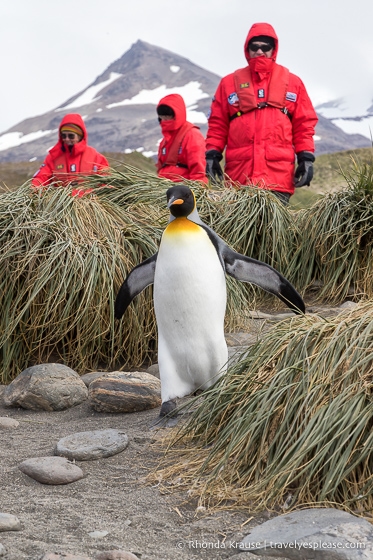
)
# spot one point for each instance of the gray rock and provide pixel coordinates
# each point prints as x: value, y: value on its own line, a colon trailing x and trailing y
x: 46, y: 387
x: 98, y: 534
x: 85, y: 446
x: 2, y: 550
x: 6, y: 422
x: 87, y: 378
x: 153, y: 370
x: 348, y: 305
x: 241, y: 339
x: 116, y: 555
x: 235, y: 353
x: 51, y: 470
x: 125, y: 392
x: 9, y: 522
x: 63, y: 556
x: 312, y: 534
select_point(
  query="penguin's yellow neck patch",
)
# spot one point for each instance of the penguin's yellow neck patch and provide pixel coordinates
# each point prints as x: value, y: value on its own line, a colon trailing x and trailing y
x: 181, y: 225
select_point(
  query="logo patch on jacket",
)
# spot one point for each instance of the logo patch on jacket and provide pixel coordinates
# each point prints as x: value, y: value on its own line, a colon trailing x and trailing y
x: 73, y: 167
x: 95, y: 168
x: 163, y: 151
x: 60, y: 166
x: 244, y: 85
x: 291, y: 96
x: 233, y: 98
x: 261, y: 93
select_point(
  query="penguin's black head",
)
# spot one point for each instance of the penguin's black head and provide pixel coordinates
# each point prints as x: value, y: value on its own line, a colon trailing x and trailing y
x: 180, y: 201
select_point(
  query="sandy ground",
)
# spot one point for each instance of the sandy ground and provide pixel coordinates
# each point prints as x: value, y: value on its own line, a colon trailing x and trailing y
x: 111, y: 497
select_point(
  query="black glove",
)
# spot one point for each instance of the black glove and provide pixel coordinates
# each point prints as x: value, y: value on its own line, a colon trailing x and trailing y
x: 213, y: 169
x: 304, y: 172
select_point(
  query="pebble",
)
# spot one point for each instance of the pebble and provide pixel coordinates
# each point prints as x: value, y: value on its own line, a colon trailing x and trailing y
x: 2, y: 550
x: 9, y: 522
x: 116, y: 555
x: 51, y: 470
x: 6, y: 422
x: 63, y: 556
x: 85, y: 446
x: 98, y: 534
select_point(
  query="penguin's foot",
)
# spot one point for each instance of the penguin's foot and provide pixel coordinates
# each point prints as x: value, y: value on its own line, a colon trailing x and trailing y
x: 168, y: 409
x: 167, y: 417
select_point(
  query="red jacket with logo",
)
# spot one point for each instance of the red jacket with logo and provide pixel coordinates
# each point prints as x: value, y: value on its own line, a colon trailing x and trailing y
x: 261, y: 143
x: 181, y: 153
x: 66, y: 167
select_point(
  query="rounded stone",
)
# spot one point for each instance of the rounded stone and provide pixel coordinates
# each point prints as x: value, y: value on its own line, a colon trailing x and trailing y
x: 46, y: 387
x: 116, y: 555
x: 125, y: 392
x: 51, y: 470
x: 86, y: 446
x: 6, y: 422
x: 9, y: 522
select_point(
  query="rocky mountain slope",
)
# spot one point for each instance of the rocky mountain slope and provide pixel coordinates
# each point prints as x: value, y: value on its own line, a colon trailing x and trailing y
x: 119, y: 108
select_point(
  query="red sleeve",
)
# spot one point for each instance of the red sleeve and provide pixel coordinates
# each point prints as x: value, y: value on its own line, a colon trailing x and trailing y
x: 44, y: 174
x: 218, y: 125
x: 303, y: 120
x: 194, y: 147
x: 102, y: 162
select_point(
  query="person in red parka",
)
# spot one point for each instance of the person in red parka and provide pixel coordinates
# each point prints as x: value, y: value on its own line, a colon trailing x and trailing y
x: 262, y: 116
x: 70, y: 158
x: 181, y: 153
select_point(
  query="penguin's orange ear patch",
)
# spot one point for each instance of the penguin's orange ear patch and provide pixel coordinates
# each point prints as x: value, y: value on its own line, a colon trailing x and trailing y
x: 178, y: 201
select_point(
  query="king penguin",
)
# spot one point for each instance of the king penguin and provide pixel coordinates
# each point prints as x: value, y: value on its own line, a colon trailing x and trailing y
x: 188, y: 274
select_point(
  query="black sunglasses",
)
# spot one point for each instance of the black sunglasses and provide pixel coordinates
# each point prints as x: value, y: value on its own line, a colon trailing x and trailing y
x: 70, y: 136
x: 265, y: 48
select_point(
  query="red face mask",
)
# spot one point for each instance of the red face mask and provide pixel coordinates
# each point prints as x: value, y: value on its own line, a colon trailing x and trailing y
x: 168, y: 126
x: 261, y: 64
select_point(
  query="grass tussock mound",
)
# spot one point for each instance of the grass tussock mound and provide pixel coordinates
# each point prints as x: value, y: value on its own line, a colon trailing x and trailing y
x: 336, y: 250
x: 62, y: 260
x: 290, y: 424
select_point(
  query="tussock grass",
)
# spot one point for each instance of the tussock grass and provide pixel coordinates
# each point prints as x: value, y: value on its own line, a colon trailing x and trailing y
x: 62, y: 261
x: 290, y: 424
x: 337, y: 245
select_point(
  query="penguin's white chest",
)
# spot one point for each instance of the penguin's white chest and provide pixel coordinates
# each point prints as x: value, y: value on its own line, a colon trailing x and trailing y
x: 190, y: 302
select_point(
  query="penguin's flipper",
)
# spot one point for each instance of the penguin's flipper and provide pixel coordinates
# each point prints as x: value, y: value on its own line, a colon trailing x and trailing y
x: 138, y: 279
x: 263, y: 275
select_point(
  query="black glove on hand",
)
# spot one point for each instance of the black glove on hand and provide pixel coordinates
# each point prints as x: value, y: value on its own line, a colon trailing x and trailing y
x: 304, y: 172
x: 213, y: 169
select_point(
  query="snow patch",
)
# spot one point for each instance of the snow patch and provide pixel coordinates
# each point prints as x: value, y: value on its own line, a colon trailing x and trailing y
x: 175, y: 69
x: 191, y: 93
x: 12, y: 139
x: 89, y: 95
x: 363, y: 126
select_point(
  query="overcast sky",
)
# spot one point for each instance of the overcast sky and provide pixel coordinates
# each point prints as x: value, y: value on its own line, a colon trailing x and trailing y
x: 52, y: 50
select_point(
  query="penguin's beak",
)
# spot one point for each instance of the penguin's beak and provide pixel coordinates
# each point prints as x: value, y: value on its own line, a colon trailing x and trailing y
x: 177, y: 201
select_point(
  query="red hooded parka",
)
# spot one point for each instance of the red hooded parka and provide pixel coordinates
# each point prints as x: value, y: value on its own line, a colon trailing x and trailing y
x: 261, y: 143
x: 64, y: 166
x: 181, y: 153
